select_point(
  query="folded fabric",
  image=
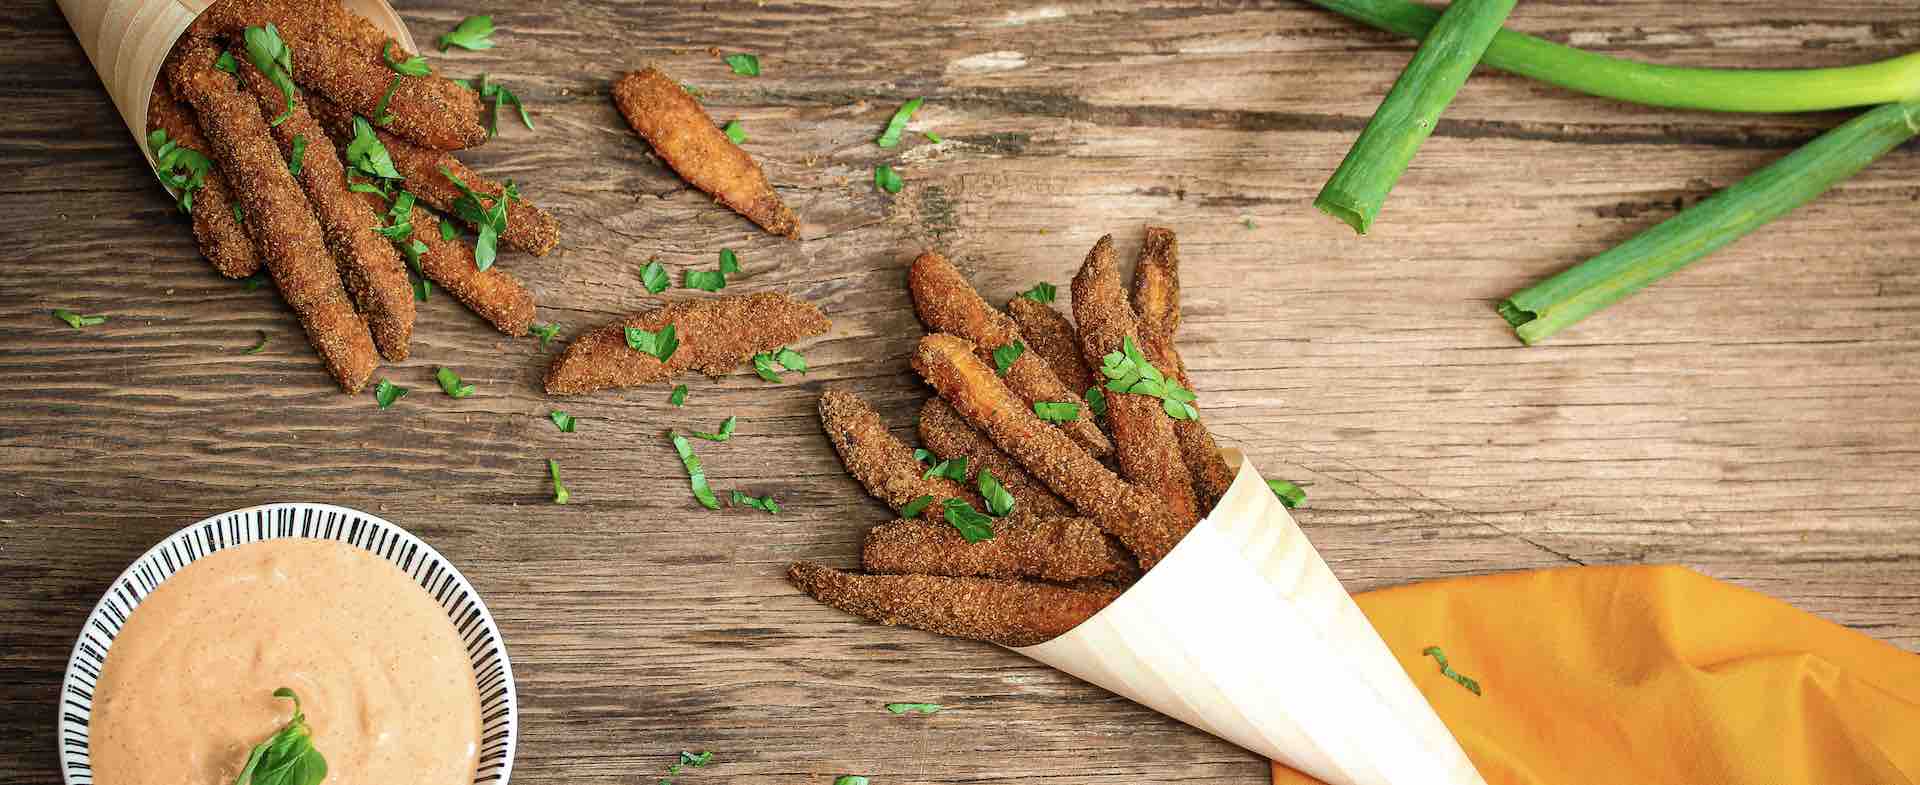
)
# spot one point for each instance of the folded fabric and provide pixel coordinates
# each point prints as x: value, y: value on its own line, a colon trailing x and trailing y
x: 1648, y: 675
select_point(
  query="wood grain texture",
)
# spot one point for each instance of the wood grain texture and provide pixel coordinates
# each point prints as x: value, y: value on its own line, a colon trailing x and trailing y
x: 1761, y: 432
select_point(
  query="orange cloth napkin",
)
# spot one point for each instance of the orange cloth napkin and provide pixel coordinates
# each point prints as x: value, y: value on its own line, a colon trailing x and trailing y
x: 1651, y: 675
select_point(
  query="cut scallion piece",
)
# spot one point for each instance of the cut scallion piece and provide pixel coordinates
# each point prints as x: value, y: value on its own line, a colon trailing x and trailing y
x: 1446, y: 58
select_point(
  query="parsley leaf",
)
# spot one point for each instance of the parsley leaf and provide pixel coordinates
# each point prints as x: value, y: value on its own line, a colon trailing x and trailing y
x: 447, y: 232
x: 473, y: 34
x: 488, y: 213
x: 973, y: 526
x: 412, y: 66
x: 886, y: 179
x: 1097, y: 401
x: 76, y: 321
x: 255, y: 281
x: 696, y: 476
x: 1004, y: 357
x: 762, y: 503
x: 1129, y: 371
x: 726, y: 431
x: 562, y: 420
x: 366, y: 154
x: 451, y: 384
x: 922, y: 454
x: 729, y: 262
x: 999, y: 500
x: 704, y: 280
x: 270, y: 54
x: 545, y: 332
x: 953, y: 469
x: 744, y: 64
x: 1290, y: 495
x: 560, y: 494
x: 694, y: 760
x: 679, y: 395
x: 850, y: 779
x: 763, y: 365
x: 1041, y: 292
x: 915, y: 507
x: 288, y: 756
x: 299, y: 158
x: 179, y: 168
x: 659, y: 344
x: 387, y: 393
x: 1056, y: 412
x: 734, y: 131
x: 225, y: 62
x: 1448, y: 671
x: 654, y: 277
x: 934, y: 138
x: 239, y: 213
x: 898, y: 124
x: 790, y: 360
x: 422, y: 287
x: 908, y: 708
x: 258, y: 346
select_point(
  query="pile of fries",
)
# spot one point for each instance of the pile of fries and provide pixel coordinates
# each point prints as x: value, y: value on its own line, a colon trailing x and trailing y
x: 1019, y: 530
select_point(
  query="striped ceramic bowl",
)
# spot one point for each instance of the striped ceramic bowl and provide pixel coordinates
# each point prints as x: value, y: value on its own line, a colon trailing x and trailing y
x: 499, y: 707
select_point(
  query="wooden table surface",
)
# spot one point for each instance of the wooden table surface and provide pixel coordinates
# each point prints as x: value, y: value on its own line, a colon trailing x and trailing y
x: 1756, y: 417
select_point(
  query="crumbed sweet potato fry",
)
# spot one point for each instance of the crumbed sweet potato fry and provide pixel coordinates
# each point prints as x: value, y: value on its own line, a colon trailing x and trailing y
x: 495, y: 295
x: 343, y: 56
x: 948, y: 435
x: 947, y: 303
x: 1023, y: 546
x: 222, y: 240
x: 529, y: 228
x: 279, y: 219
x: 376, y: 278
x: 685, y: 136
x: 716, y: 335
x: 1139, y: 518
x: 1156, y: 301
x: 1009, y: 613
x: 1051, y: 336
x: 882, y: 463
x: 1142, y: 432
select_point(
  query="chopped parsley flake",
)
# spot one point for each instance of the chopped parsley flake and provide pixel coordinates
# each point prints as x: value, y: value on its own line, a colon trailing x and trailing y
x: 1041, y: 292
x: 474, y: 33
x: 744, y: 64
x: 762, y: 503
x: 679, y: 395
x: 1290, y: 494
x: 562, y: 420
x: 763, y: 365
x: 898, y: 124
x: 726, y: 431
x: 1129, y: 372
x: 387, y: 393
x: 696, y: 476
x: 412, y: 66
x: 909, y: 708
x: 660, y: 344
x: 545, y: 332
x: 76, y: 321
x: 560, y: 494
x: 735, y: 131
x: 953, y: 469
x: 915, y: 507
x: 654, y: 277
x: 299, y: 158
x: 999, y: 500
x: 886, y: 179
x: 973, y: 526
x: 729, y: 262
x: 1004, y: 357
x: 790, y: 360
x: 1097, y: 401
x: 260, y: 345
x: 451, y: 384
x: 704, y: 280
x: 1448, y: 671
x: 1051, y: 411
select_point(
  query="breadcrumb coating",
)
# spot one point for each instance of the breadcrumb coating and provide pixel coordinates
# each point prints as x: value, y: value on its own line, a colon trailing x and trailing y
x: 1053, y: 337
x: 884, y: 465
x: 493, y: 293
x: 686, y: 138
x: 1006, y: 612
x: 1023, y: 546
x: 716, y: 335
x: 222, y: 240
x: 948, y: 435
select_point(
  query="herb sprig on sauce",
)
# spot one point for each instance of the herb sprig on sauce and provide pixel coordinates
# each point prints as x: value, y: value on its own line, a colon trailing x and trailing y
x: 288, y: 756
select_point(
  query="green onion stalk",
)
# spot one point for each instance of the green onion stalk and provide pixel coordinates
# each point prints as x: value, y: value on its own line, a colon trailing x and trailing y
x: 1565, y: 299
x: 1453, y: 46
x: 1715, y: 89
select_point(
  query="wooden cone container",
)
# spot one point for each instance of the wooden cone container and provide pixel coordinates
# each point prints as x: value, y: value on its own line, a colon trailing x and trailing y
x: 127, y: 40
x: 1244, y: 633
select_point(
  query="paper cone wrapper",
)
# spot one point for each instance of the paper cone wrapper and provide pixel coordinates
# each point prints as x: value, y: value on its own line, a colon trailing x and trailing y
x: 1244, y: 633
x: 127, y: 40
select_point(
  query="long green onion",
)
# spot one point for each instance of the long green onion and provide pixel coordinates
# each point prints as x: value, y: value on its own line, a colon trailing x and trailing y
x: 1716, y: 89
x: 1565, y: 299
x: 1406, y: 118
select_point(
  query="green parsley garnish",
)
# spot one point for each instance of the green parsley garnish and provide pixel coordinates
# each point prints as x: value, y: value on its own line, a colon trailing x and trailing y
x: 225, y: 62
x: 562, y: 420
x: 76, y: 321
x: 726, y: 431
x: 934, y: 138
x: 412, y: 66
x: 923, y: 454
x: 762, y: 503
x: 447, y: 232
x: 500, y: 96
x: 735, y: 131
x: 679, y: 395
x: 696, y: 761
x: 973, y: 526
x: 545, y: 332
x: 288, y: 756
x: 1004, y: 357
x: 886, y: 179
x: 1129, y: 372
x: 179, y: 168
x: 704, y: 280
x: 763, y: 365
x: 473, y: 34
x: 1041, y: 292
x: 1290, y: 495
x: 366, y: 154
x: 915, y: 507
x: 258, y: 346
x: 696, y: 476
x: 239, y: 213
x: 560, y: 494
x: 790, y: 360
x: 422, y: 288
x: 729, y: 262
x: 661, y: 344
x: 1050, y: 411
x: 744, y: 64
x: 1448, y: 671
x: 489, y: 213
x: 999, y: 500
x: 255, y: 281
x: 270, y: 54
x: 908, y: 708
x: 1247, y: 222
x: 388, y: 392
x: 953, y: 469
x: 295, y: 163
x: 654, y: 277
x: 850, y: 779
x: 1097, y: 401
x: 898, y: 124
x: 451, y: 384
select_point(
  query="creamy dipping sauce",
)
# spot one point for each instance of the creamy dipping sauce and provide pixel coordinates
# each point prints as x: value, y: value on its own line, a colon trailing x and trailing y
x: 188, y: 684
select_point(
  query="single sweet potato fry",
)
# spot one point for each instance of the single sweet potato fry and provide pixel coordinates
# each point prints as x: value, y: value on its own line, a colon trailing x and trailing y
x: 685, y: 136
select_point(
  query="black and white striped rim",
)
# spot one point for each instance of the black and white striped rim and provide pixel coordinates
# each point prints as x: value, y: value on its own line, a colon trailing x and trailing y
x: 499, y: 707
